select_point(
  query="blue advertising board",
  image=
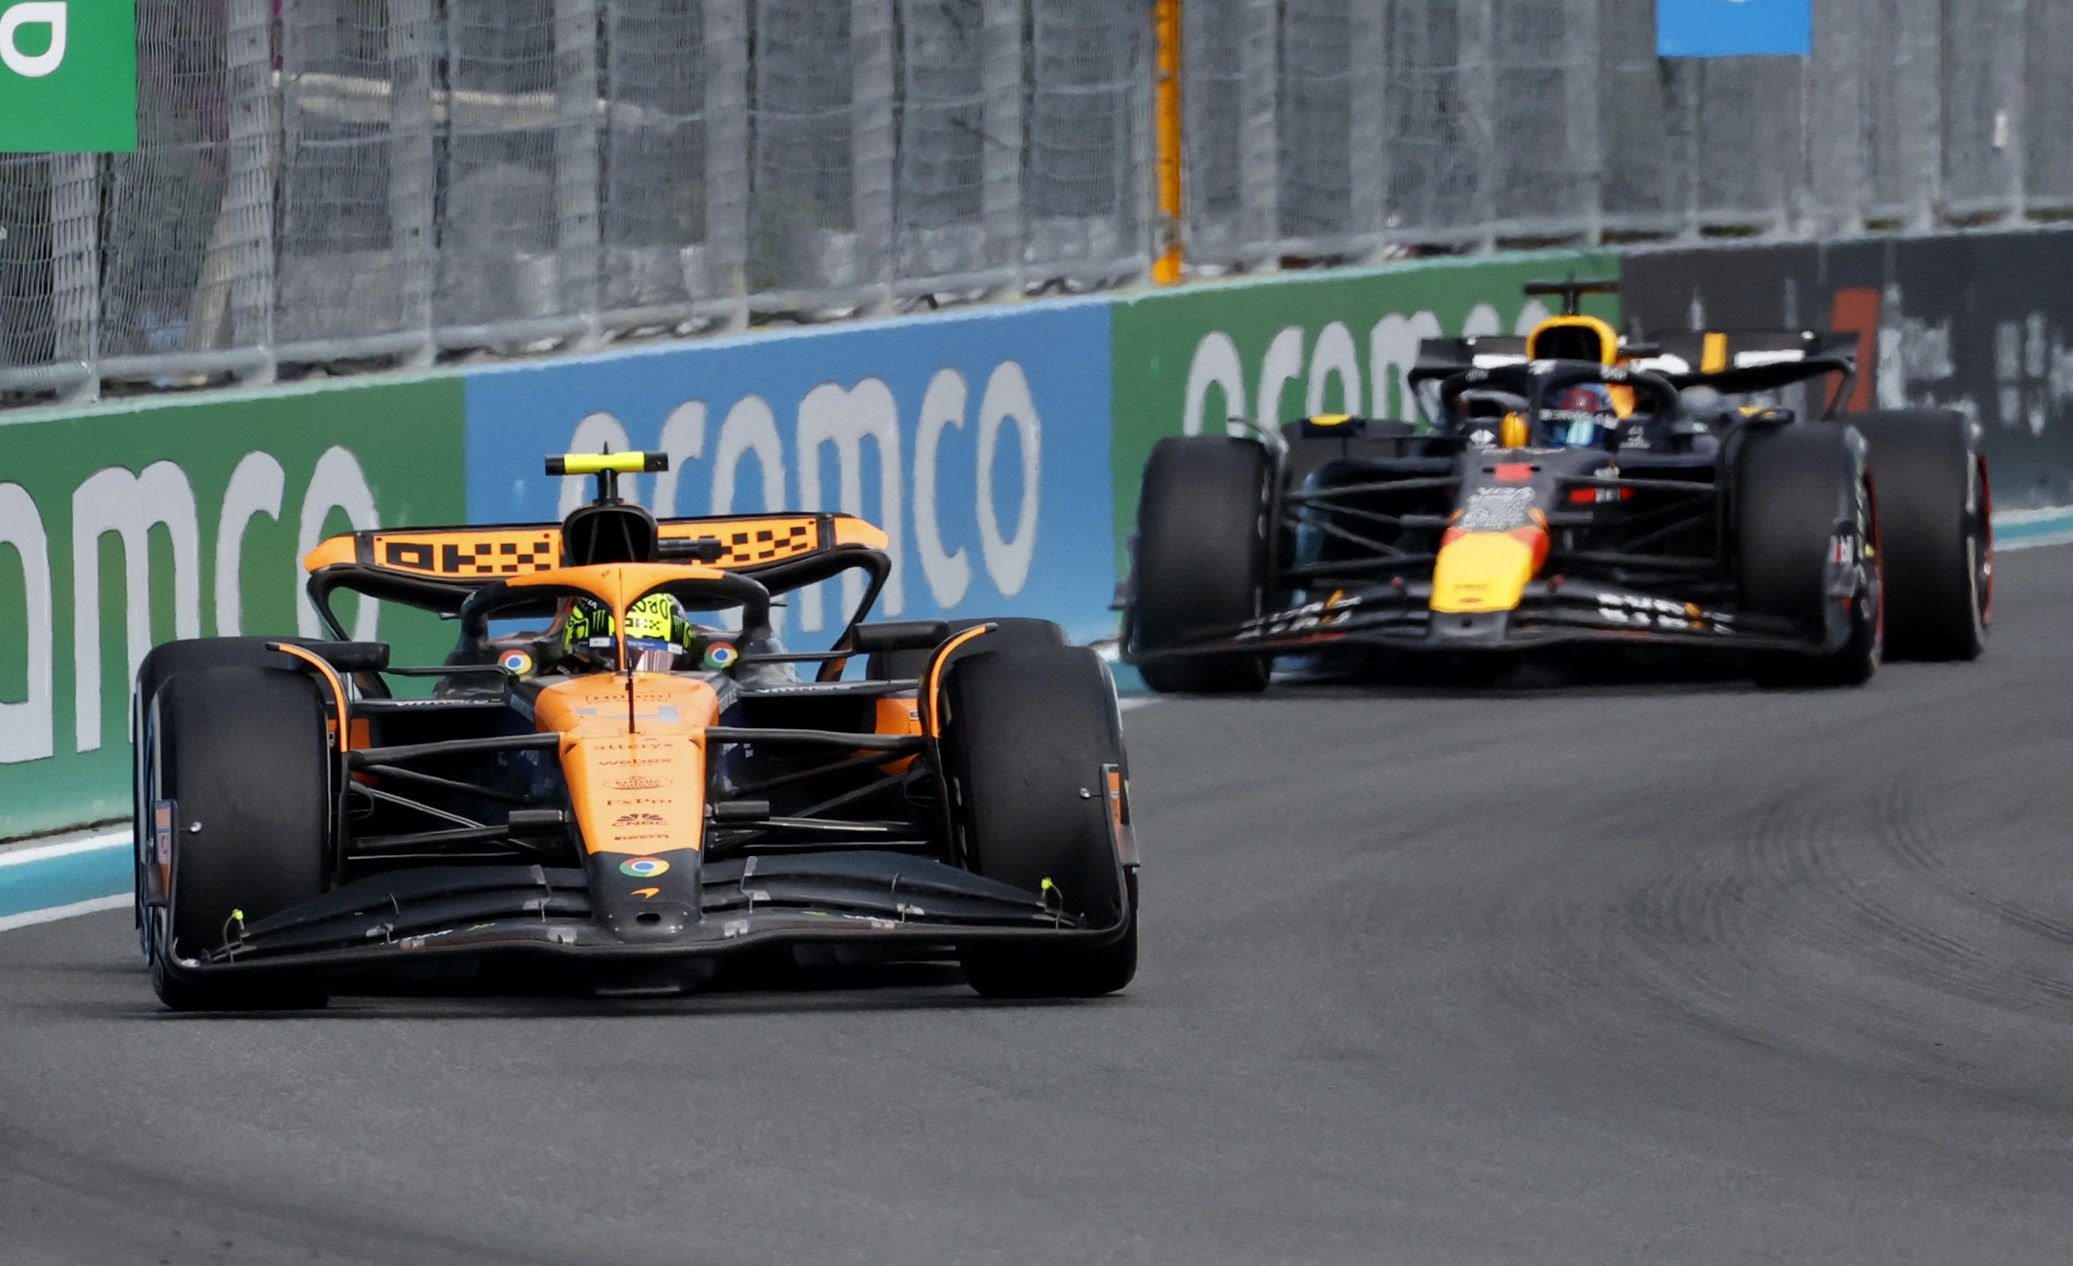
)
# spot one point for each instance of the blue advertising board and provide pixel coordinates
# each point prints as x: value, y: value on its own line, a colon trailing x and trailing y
x: 979, y: 443
x: 1734, y: 28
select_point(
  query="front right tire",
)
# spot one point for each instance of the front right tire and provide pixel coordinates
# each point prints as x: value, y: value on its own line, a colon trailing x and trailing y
x: 159, y: 667
x: 244, y: 754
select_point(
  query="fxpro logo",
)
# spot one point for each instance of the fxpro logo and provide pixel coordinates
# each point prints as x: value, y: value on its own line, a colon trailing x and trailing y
x: 68, y: 76
x: 50, y: 14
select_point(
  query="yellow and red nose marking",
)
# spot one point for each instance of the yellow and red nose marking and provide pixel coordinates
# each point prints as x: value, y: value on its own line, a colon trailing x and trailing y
x: 1486, y: 571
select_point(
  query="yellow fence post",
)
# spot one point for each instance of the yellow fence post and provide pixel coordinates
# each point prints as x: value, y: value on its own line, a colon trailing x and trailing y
x: 1166, y: 29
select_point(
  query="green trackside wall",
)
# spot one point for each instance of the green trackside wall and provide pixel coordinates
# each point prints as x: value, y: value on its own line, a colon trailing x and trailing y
x: 206, y: 508
x: 1277, y: 348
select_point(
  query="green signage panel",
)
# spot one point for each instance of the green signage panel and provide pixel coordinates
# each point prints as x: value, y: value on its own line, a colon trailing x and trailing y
x: 123, y: 529
x: 68, y: 76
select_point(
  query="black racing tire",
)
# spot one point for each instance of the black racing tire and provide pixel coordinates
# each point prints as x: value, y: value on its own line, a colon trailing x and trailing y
x: 1202, y: 559
x: 244, y: 754
x: 159, y: 665
x: 1009, y: 631
x: 1936, y: 526
x: 1793, y: 485
x: 1026, y: 733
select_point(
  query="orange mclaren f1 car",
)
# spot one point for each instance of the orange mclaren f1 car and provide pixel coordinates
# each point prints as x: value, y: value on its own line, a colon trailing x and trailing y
x: 619, y: 774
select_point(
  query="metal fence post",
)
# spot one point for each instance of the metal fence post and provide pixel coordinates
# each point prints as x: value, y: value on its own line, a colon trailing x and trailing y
x: 576, y: 164
x: 413, y: 170
x: 248, y: 211
x: 727, y: 159
x: 1478, y: 80
x: 1259, y: 132
x: 1687, y: 97
x: 1583, y: 135
x: 1918, y: 104
x: 1000, y: 170
x: 1834, y: 125
x: 75, y: 212
x: 2047, y: 101
x: 1367, y: 138
x: 1137, y: 210
x: 872, y: 151
x: 1168, y: 245
x: 2018, y: 138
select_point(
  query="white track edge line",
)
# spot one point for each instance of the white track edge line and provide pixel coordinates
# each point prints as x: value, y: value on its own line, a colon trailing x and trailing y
x: 53, y: 914
x: 44, y: 852
x: 2004, y: 545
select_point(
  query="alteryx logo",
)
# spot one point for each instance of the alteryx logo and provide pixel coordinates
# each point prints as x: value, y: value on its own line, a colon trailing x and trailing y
x: 68, y: 76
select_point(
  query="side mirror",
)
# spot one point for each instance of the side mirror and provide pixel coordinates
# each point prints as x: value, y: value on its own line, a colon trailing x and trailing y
x: 1333, y: 426
x: 900, y: 635
x: 1765, y: 416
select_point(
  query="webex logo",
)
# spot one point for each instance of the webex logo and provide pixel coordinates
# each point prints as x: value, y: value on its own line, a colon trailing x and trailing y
x: 68, y: 76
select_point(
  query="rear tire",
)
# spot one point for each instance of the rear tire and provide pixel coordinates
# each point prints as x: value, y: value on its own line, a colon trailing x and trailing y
x: 1026, y: 734
x: 1794, y: 485
x: 1936, y: 525
x: 1202, y: 558
x: 244, y: 754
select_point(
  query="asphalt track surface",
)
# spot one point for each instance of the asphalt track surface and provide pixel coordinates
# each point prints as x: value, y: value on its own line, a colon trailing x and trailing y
x: 1590, y: 974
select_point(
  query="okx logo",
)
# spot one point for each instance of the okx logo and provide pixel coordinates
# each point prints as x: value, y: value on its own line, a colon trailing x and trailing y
x: 68, y: 76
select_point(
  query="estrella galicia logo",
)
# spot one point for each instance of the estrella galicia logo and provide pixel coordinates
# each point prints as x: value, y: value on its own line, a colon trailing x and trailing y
x: 638, y: 782
x: 68, y: 76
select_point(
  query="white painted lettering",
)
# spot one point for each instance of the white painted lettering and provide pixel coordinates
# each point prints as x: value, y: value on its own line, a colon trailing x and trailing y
x: 843, y: 419
x: 338, y: 483
x: 255, y: 489
x: 129, y: 506
x: 27, y: 726
x: 947, y: 571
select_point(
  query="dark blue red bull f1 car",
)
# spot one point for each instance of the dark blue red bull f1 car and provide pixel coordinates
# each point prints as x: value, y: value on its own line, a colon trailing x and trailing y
x: 1574, y: 487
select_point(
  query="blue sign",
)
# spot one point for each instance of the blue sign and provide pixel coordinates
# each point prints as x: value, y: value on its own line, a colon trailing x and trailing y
x: 1734, y: 28
x: 979, y: 443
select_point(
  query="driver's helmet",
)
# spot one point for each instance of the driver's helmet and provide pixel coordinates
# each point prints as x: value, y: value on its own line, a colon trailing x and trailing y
x: 1495, y: 418
x: 658, y: 636
x: 1582, y: 416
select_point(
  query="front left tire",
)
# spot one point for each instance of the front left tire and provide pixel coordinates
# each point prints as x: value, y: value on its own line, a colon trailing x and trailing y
x: 1027, y: 732
x: 1802, y: 498
x: 1201, y: 560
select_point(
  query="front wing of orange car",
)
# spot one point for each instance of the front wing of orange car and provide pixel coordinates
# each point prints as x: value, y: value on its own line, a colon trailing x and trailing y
x: 852, y: 898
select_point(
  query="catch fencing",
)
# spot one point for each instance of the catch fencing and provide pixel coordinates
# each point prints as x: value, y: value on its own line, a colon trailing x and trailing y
x: 340, y: 184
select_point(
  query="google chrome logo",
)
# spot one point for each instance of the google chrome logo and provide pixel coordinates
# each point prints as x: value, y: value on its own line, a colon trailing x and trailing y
x: 643, y: 867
